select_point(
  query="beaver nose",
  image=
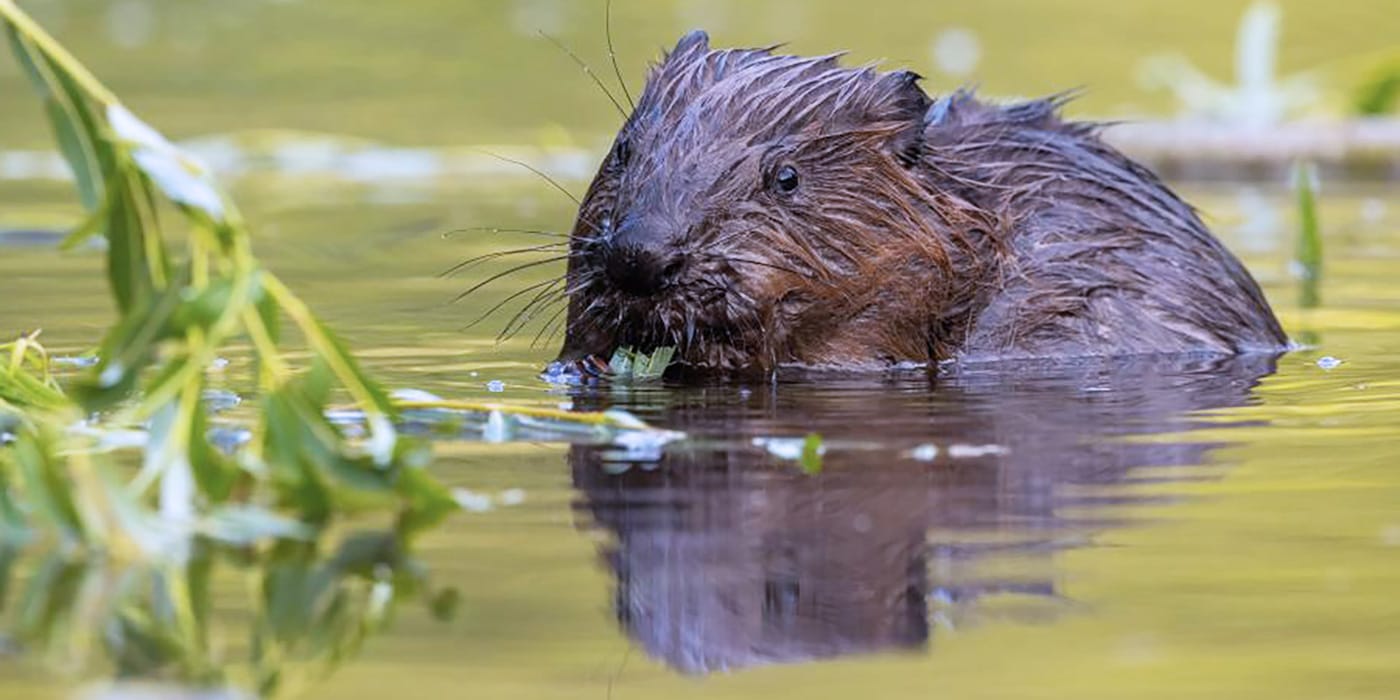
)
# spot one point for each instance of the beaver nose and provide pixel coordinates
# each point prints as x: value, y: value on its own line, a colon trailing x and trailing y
x: 639, y: 271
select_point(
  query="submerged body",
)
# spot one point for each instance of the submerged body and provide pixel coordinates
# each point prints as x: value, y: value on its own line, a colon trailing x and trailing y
x: 760, y: 210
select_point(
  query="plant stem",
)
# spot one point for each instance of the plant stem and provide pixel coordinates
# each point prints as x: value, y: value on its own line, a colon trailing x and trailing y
x: 11, y: 13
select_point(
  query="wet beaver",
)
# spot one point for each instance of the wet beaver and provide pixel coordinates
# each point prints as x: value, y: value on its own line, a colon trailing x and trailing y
x: 759, y: 210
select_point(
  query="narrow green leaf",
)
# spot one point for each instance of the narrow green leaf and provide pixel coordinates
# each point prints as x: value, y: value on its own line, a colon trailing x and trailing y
x: 1309, y: 246
x: 94, y: 225
x: 45, y: 482
x: 428, y: 502
x: 270, y: 314
x: 128, y: 348
x: 176, y: 174
x: 127, y: 268
x: 812, y: 452
x: 9, y: 555
x: 215, y: 473
x: 202, y: 307
x: 68, y: 116
x: 24, y: 55
x: 341, y: 356
x: 51, y: 592
x: 76, y: 151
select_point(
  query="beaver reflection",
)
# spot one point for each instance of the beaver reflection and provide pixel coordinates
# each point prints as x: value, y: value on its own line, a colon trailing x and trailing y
x: 731, y: 557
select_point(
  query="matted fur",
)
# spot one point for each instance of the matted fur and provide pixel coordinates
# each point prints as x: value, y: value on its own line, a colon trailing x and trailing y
x: 920, y: 230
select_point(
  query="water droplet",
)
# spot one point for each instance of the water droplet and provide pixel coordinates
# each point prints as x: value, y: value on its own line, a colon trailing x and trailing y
x: 220, y: 400
x: 111, y: 375
x: 924, y: 453
x: 1329, y: 363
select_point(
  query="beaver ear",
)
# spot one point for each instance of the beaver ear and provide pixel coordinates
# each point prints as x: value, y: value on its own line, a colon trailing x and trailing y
x: 906, y: 104
x: 696, y: 42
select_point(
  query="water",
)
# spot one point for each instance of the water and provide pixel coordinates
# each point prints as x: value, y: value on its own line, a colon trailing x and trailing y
x: 1188, y: 528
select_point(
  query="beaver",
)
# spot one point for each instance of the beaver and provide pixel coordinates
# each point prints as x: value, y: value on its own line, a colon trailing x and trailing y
x: 759, y: 210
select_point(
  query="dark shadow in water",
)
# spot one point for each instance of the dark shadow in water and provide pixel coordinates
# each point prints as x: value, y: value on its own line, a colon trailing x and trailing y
x: 730, y: 556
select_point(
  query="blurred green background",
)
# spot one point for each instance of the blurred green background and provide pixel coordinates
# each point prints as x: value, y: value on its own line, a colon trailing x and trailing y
x: 476, y: 71
x: 1270, y: 574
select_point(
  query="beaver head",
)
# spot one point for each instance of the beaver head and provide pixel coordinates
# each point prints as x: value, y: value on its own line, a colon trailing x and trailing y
x: 752, y: 212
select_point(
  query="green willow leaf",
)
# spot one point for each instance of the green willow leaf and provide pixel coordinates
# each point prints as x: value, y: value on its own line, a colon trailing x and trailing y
x: 205, y: 306
x: 45, y: 482
x: 63, y: 110
x: 24, y: 56
x: 269, y: 313
x: 97, y: 147
x: 21, y: 388
x: 178, y: 175
x: 14, y: 526
x: 215, y: 473
x: 50, y: 594
x: 76, y: 151
x: 428, y: 502
x: 129, y: 348
x: 94, y: 225
x: 128, y: 266
x: 339, y: 355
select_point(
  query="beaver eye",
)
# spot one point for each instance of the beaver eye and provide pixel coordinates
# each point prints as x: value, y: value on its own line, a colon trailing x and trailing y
x: 786, y: 179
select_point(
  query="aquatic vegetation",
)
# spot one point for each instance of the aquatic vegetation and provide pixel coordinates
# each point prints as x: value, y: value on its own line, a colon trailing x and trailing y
x: 806, y: 451
x: 26, y: 380
x: 1258, y: 97
x: 1379, y: 93
x: 312, y: 604
x: 630, y: 365
x: 181, y: 299
x: 1308, y: 253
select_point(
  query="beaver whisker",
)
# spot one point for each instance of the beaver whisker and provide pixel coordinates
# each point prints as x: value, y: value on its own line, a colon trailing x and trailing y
x: 612, y: 54
x: 542, y: 301
x: 477, y: 260
x: 554, y: 183
x: 587, y: 71
x: 495, y: 229
x: 586, y: 279
x: 593, y: 305
x: 553, y: 322
x: 507, y: 300
x: 511, y: 271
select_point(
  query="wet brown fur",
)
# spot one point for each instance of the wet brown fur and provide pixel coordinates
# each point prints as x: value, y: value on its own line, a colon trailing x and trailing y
x: 920, y: 230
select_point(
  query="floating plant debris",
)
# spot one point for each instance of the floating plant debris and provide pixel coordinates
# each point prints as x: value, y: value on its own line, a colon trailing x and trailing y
x: 631, y: 365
